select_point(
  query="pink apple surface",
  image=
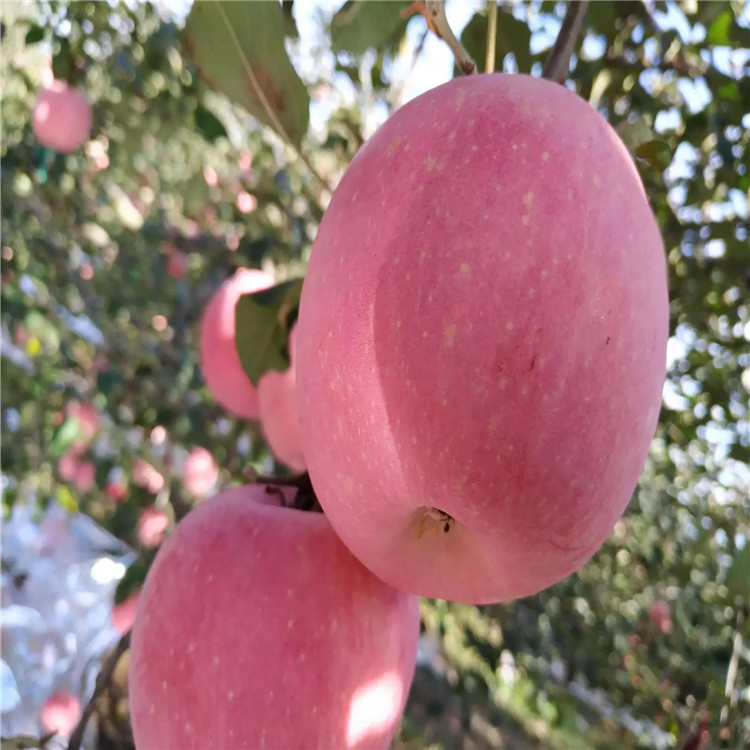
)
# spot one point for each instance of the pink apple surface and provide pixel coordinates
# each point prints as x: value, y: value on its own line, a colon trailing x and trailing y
x: 278, y: 412
x: 61, y: 712
x: 482, y: 340
x: 61, y: 119
x: 220, y: 362
x: 257, y: 628
x: 200, y: 473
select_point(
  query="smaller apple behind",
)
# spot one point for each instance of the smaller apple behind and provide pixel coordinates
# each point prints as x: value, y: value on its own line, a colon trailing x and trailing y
x: 257, y: 628
x: 278, y: 412
x: 219, y: 360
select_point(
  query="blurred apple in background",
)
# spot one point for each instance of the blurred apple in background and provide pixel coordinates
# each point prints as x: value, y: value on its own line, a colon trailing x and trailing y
x: 62, y: 117
x: 220, y: 362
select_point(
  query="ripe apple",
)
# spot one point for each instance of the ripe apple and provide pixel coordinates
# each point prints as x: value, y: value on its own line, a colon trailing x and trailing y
x: 62, y: 118
x: 178, y: 264
x: 87, y: 416
x: 152, y: 527
x: 200, y: 473
x: 220, y: 362
x: 123, y: 614
x: 278, y: 412
x: 61, y: 713
x: 482, y: 340
x: 257, y: 628
x: 76, y: 471
x: 146, y: 476
x: 660, y: 615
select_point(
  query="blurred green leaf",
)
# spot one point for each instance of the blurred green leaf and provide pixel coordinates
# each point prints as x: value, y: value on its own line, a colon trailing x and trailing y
x: 738, y: 575
x: 718, y: 32
x: 239, y: 49
x: 657, y: 154
x: 262, y: 323
x: 34, y: 34
x: 209, y: 125
x: 512, y: 36
x: 69, y: 432
x: 360, y: 25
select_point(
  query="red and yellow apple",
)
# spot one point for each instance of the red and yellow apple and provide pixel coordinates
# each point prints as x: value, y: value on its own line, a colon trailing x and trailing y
x: 257, y: 628
x: 482, y: 340
x: 220, y: 362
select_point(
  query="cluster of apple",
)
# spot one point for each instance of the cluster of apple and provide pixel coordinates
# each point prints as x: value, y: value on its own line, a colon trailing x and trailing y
x: 477, y: 366
x: 476, y: 375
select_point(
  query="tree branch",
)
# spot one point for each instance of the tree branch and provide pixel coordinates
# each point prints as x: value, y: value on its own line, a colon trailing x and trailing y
x: 438, y: 22
x: 102, y: 683
x: 557, y: 64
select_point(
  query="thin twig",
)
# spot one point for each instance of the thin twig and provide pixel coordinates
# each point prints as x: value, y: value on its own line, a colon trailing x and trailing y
x: 102, y: 683
x: 489, y: 62
x: 435, y: 15
x: 557, y: 64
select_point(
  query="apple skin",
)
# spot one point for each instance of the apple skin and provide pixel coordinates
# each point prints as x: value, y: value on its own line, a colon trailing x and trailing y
x: 62, y: 117
x: 257, y: 628
x: 277, y: 404
x: 220, y: 362
x: 482, y: 332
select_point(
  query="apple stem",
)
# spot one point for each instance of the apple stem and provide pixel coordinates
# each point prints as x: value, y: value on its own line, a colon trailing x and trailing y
x: 437, y: 21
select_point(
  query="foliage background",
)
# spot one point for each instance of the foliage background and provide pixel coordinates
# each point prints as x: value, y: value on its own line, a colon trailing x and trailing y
x: 89, y: 312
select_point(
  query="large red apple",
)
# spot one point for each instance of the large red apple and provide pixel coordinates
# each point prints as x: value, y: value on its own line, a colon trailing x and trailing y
x: 220, y: 362
x: 482, y: 340
x: 61, y: 119
x: 278, y: 412
x: 257, y: 628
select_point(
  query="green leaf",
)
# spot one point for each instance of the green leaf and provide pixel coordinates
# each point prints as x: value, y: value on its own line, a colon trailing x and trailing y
x: 34, y: 34
x: 634, y: 134
x: 367, y: 24
x: 738, y: 575
x: 208, y: 124
x: 262, y: 323
x: 239, y: 49
x: 657, y: 154
x: 718, y: 32
x: 512, y: 36
x: 68, y: 432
